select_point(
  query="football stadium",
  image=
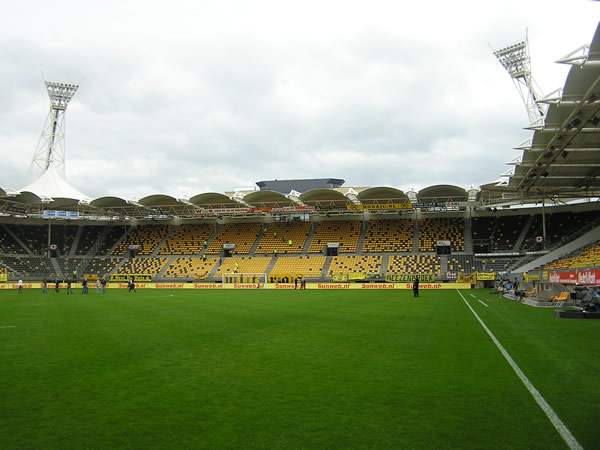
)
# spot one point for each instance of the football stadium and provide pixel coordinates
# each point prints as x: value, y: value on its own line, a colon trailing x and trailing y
x: 310, y: 314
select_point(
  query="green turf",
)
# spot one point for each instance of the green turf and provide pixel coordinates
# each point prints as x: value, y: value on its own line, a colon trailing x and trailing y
x: 293, y: 369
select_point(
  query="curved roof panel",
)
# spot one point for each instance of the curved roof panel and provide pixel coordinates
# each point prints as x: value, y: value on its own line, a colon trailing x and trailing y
x: 213, y: 199
x: 159, y: 200
x: 381, y: 194
x: 443, y: 193
x: 109, y: 202
x: 259, y: 198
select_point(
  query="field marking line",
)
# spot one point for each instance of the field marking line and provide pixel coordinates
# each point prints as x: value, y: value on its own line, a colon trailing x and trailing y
x: 8, y: 326
x: 558, y: 424
x: 487, y: 306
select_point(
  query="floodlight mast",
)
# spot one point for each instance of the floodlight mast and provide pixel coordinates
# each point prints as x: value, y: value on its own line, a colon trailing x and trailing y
x: 515, y: 59
x: 51, y: 145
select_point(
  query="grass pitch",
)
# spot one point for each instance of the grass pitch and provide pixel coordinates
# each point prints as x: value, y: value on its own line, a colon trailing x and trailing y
x: 293, y: 369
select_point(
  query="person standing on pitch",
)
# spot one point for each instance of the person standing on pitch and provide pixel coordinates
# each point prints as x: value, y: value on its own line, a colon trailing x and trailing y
x: 132, y: 285
x: 416, y: 287
x: 20, y: 284
x: 103, y: 284
x: 69, y: 287
x: 84, y: 286
x: 97, y: 285
x: 45, y: 286
x: 57, y: 285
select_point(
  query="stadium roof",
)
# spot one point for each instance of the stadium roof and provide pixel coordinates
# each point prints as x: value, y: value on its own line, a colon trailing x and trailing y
x: 562, y: 160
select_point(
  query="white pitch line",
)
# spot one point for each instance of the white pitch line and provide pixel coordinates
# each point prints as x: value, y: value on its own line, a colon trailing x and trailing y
x: 487, y: 306
x: 8, y: 326
x: 558, y: 424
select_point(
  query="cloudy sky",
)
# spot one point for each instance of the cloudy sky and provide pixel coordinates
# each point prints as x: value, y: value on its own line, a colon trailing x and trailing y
x: 197, y: 96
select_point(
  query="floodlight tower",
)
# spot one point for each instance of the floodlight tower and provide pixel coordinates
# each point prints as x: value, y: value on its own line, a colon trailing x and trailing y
x: 51, y: 145
x: 515, y: 59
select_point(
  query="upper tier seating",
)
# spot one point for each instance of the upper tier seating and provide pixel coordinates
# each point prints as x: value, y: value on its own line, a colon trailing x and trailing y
x: 114, y: 235
x: 442, y: 229
x: 278, y: 237
x: 89, y: 236
x: 187, y: 239
x: 146, y: 236
x: 346, y: 233
x: 8, y: 244
x: 243, y: 235
x: 392, y: 235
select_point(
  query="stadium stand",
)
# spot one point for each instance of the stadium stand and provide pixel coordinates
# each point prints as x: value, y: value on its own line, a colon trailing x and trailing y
x: 439, y: 229
x: 28, y: 266
x: 8, y: 244
x: 246, y: 264
x: 346, y: 233
x: 507, y: 231
x: 392, y: 235
x: 588, y: 256
x: 462, y: 263
x: 355, y: 264
x: 186, y: 267
x: 101, y: 266
x: 187, y: 239
x: 148, y: 266
x: 114, y: 235
x: 242, y: 235
x: 399, y: 264
x: 89, y: 236
x: 279, y: 235
x: 146, y: 236
x: 307, y: 266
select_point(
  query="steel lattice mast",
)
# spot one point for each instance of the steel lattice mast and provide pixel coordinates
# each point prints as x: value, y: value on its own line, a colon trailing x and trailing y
x: 515, y: 59
x: 51, y: 145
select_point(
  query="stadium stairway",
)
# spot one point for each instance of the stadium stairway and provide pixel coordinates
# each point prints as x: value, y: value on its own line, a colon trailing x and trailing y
x: 211, y: 275
x: 163, y: 240
x: 167, y: 265
x: 311, y: 233
x: 361, y: 238
x: 105, y: 232
x: 523, y: 234
x: 468, y: 237
x: 270, y: 266
x: 260, y: 235
x: 75, y: 243
x: 444, y: 263
x: 212, y: 236
x: 325, y: 270
x: 385, y: 259
x: 56, y: 267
